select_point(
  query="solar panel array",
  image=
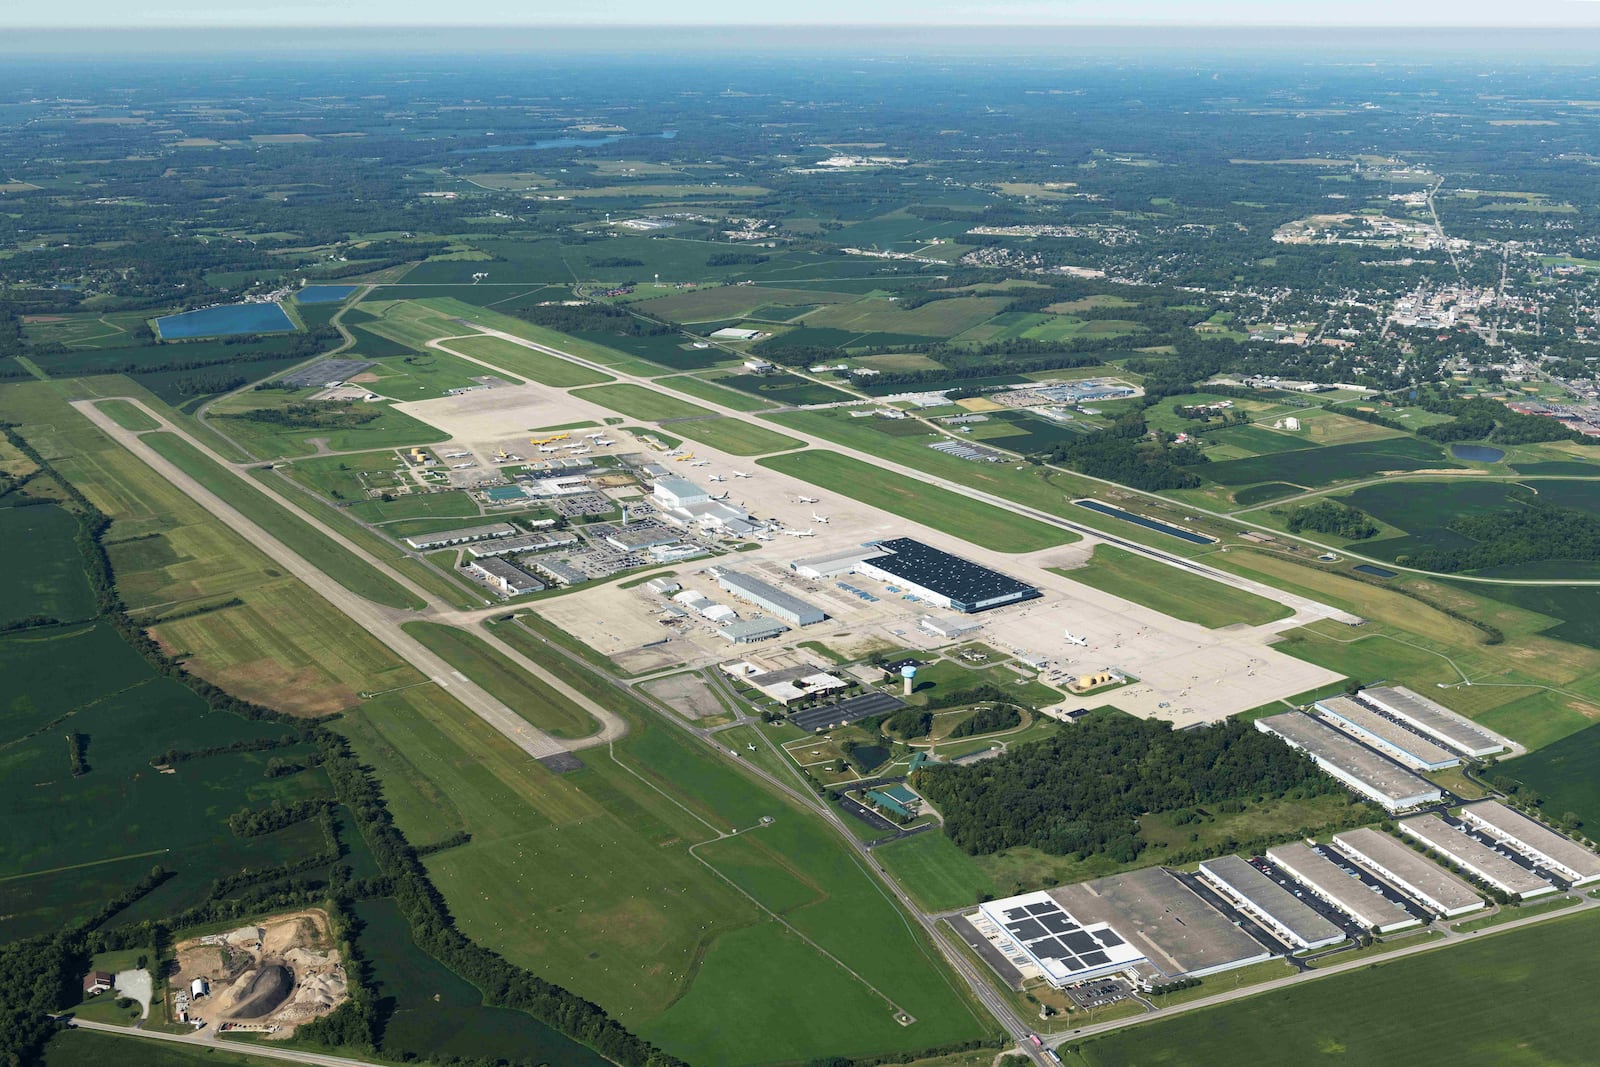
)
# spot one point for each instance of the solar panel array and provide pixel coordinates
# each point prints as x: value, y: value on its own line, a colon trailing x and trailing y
x: 1049, y: 933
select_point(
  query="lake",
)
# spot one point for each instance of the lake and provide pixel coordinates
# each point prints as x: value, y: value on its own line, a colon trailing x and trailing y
x: 1376, y: 572
x: 1477, y: 453
x: 324, y: 294
x: 565, y: 142
x: 225, y: 321
x: 1149, y: 524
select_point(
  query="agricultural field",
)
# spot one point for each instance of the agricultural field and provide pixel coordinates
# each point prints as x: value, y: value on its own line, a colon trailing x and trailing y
x: 1317, y: 467
x: 1525, y: 1014
x: 938, y: 318
x: 1174, y: 592
x: 85, y: 1048
x: 40, y: 579
x: 940, y: 509
x: 1566, y: 774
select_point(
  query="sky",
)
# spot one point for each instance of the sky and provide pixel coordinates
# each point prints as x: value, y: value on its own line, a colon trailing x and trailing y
x: 107, y: 14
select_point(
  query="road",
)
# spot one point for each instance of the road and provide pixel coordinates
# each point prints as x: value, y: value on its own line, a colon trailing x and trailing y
x: 382, y: 622
x: 207, y: 1040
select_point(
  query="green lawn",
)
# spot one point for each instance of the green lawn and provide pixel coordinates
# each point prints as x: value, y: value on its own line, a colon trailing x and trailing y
x: 524, y: 694
x: 1172, y: 591
x: 526, y: 362
x: 128, y: 416
x: 638, y: 402
x: 1523, y: 997
x: 706, y: 390
x: 972, y: 520
x: 934, y: 871
x: 735, y: 436
x: 332, y: 559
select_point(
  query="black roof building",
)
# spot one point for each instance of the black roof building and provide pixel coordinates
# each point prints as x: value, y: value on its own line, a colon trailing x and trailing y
x: 938, y: 576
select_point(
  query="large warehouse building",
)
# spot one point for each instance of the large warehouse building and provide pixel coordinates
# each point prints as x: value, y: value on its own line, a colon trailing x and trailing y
x: 1386, y: 735
x: 789, y: 608
x: 1362, y: 769
x: 1476, y: 858
x: 1035, y: 927
x: 1435, y: 720
x: 942, y: 579
x: 1291, y: 920
x: 1533, y: 839
x: 1417, y: 877
x: 1334, y: 884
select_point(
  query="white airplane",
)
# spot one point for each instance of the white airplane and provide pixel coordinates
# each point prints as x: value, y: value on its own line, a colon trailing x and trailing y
x: 750, y: 746
x: 673, y: 452
x: 595, y: 436
x: 799, y: 533
x: 763, y: 537
x: 740, y: 474
x: 547, y: 448
x: 606, y: 441
x: 701, y: 463
x: 819, y: 518
x: 580, y: 451
x: 808, y: 500
x: 1074, y: 639
x: 718, y: 478
x: 724, y: 496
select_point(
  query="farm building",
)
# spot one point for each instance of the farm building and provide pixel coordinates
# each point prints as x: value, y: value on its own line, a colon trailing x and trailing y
x: 1290, y: 919
x: 1333, y: 883
x: 1535, y: 840
x: 789, y: 608
x: 1476, y: 858
x: 1435, y: 720
x: 1360, y: 768
x: 1418, y: 878
x: 943, y: 579
x: 424, y: 542
x: 1369, y: 727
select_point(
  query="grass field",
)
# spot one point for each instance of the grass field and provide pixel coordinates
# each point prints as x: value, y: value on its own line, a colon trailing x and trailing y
x: 934, y: 871
x: 638, y: 402
x: 527, y: 362
x: 1174, y: 592
x: 1524, y: 992
x: 941, y: 509
x: 734, y: 301
x: 735, y: 436
x: 272, y: 440
x: 705, y: 390
x: 528, y: 696
x: 938, y: 318
x: 1567, y: 774
x: 85, y: 1048
x: 39, y: 579
x: 332, y: 559
x: 128, y: 416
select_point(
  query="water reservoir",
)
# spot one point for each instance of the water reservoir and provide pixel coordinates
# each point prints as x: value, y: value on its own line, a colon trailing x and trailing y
x: 1149, y: 524
x: 1477, y: 453
x: 225, y: 321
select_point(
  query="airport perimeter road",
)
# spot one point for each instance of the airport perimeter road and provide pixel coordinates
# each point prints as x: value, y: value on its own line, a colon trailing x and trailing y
x: 381, y: 622
x: 1306, y: 610
x: 211, y: 1041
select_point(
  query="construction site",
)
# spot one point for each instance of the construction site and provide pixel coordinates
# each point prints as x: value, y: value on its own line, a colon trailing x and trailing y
x: 266, y: 978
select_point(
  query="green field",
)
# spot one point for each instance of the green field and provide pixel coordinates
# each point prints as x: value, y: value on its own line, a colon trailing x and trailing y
x: 735, y: 436
x: 1315, y: 467
x: 1525, y: 993
x: 938, y: 318
x: 523, y: 693
x: 702, y: 389
x: 1173, y: 591
x: 527, y: 362
x: 1566, y: 774
x: 934, y: 871
x: 39, y: 579
x: 128, y: 416
x: 85, y: 1048
x: 332, y: 559
x: 638, y: 402
x: 273, y: 440
x: 951, y: 513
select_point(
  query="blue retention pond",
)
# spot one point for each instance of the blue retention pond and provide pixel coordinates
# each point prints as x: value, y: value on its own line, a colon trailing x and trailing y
x: 324, y: 294
x: 225, y: 321
x: 1477, y: 453
x: 1149, y: 524
x: 1376, y: 572
x: 565, y: 142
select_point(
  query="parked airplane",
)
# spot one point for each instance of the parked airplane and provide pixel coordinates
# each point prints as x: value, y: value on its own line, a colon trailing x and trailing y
x: 724, y: 496
x: 808, y: 500
x: 606, y: 441
x: 547, y: 448
x: 595, y: 436
x: 819, y: 518
x: 799, y: 533
x: 717, y: 478
x: 740, y: 474
x: 1074, y: 639
x: 701, y: 463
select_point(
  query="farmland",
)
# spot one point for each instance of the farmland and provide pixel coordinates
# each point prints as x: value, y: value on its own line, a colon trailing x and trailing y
x: 1536, y: 1011
x: 1174, y: 592
x: 1566, y: 773
x: 949, y: 512
x: 39, y: 579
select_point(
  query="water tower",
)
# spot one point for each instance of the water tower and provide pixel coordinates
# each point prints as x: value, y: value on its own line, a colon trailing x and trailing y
x: 909, y: 673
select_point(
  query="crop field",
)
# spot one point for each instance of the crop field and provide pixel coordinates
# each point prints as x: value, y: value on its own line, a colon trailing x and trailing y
x: 1021, y: 433
x: 86, y: 330
x: 1573, y: 610
x: 638, y: 402
x: 39, y: 578
x: 714, y: 390
x: 1523, y: 990
x: 938, y: 318
x: 527, y: 362
x: 525, y: 694
x: 433, y: 1012
x: 1264, y: 493
x: 331, y: 558
x: 1314, y: 467
x: 1566, y: 773
x: 735, y: 301
x: 960, y: 516
x: 1174, y: 592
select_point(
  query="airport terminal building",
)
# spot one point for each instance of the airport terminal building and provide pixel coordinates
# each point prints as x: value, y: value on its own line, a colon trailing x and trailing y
x: 942, y: 579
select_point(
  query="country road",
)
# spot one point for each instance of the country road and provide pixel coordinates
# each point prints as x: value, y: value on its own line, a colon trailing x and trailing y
x: 205, y: 1041
x: 383, y: 623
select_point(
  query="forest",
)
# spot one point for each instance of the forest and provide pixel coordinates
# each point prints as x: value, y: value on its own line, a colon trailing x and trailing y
x: 1332, y: 517
x: 1082, y: 791
x: 1532, y: 533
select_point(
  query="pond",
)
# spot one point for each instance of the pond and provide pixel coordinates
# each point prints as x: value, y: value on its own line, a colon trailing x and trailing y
x: 565, y: 142
x: 1149, y: 524
x: 1376, y: 572
x: 225, y: 321
x: 1477, y: 453
x: 324, y: 294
